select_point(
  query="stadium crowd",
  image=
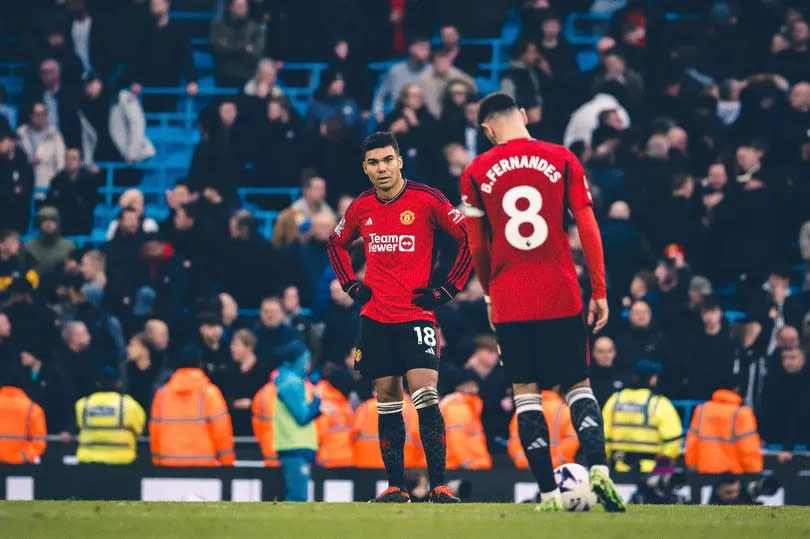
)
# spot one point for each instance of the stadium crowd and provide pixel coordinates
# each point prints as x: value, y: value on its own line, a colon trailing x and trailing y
x: 694, y: 129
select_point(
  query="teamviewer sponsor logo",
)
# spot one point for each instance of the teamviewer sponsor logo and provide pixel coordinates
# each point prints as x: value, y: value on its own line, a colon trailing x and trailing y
x: 406, y: 244
x: 391, y: 243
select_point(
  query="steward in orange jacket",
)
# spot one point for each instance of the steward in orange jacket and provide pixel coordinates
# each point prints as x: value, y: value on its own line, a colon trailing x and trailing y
x: 723, y: 437
x: 466, y: 441
x: 22, y: 424
x: 190, y: 425
x: 334, y: 427
x: 366, y: 437
x: 263, y: 408
x: 564, y: 443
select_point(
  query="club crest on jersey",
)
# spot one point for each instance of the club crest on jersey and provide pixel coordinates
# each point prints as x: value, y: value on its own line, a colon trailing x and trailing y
x: 358, y: 355
x: 407, y: 217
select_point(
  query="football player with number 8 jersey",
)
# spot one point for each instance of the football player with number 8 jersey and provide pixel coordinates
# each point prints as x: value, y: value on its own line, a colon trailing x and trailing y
x: 515, y: 197
x: 397, y: 220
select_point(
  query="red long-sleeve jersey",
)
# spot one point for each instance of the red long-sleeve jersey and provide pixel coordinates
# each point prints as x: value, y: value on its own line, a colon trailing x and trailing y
x: 516, y: 196
x: 398, y: 236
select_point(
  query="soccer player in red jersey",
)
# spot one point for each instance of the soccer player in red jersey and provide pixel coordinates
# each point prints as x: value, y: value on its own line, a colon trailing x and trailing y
x: 515, y: 197
x: 397, y: 220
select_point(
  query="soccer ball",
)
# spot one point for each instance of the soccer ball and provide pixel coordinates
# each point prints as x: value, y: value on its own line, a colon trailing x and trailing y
x: 575, y: 487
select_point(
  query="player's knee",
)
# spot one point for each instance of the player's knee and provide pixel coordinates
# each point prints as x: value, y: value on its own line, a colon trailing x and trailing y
x: 424, y: 397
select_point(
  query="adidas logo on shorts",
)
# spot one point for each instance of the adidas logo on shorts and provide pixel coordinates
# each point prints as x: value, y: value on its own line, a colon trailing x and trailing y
x: 430, y: 351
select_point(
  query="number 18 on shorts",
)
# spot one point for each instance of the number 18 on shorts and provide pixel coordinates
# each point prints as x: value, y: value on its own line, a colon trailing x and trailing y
x: 394, y: 349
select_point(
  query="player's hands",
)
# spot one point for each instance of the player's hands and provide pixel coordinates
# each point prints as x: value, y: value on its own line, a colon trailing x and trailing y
x: 430, y: 298
x: 358, y: 291
x: 598, y: 314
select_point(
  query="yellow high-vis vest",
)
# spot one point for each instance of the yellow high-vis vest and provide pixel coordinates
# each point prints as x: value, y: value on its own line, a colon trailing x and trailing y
x: 640, y: 426
x: 109, y: 426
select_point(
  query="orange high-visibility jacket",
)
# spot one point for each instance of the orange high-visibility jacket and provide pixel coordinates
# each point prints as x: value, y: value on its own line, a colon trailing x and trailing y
x: 365, y: 436
x: 190, y: 424
x: 414, y: 452
x: 564, y: 443
x: 22, y: 427
x: 723, y: 436
x: 334, y: 428
x: 466, y: 442
x: 264, y: 404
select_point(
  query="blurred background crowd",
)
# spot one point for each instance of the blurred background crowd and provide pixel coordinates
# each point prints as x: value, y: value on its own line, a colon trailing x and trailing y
x: 170, y: 173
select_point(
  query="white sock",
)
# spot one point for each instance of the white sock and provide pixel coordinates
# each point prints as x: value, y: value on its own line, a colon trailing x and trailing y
x: 602, y: 468
x: 545, y: 496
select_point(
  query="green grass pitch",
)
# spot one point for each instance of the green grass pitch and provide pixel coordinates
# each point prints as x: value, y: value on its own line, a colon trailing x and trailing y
x: 124, y: 520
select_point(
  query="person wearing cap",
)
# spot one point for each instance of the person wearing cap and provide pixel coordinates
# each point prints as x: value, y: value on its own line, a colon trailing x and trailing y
x: 640, y: 424
x: 16, y: 183
x: 49, y: 249
x: 109, y: 423
x: 189, y: 424
x: 286, y: 409
x: 466, y: 442
x: 22, y: 423
x: 330, y: 101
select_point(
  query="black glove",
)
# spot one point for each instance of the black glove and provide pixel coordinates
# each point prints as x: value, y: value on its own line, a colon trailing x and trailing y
x: 359, y: 292
x: 430, y: 298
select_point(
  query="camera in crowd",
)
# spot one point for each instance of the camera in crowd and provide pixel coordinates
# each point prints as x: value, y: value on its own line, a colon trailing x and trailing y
x: 662, y: 485
x: 730, y: 489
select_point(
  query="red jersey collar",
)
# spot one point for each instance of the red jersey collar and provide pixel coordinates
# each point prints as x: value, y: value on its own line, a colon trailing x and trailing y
x: 521, y: 139
x: 396, y: 197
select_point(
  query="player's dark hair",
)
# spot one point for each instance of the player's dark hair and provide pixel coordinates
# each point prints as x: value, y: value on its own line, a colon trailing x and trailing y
x: 496, y: 103
x: 379, y: 139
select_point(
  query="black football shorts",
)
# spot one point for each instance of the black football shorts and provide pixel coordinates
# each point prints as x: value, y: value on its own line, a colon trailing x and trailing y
x: 394, y: 349
x: 547, y: 352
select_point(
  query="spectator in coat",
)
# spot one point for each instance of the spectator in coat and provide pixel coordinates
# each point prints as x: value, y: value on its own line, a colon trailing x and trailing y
x: 437, y: 76
x: 49, y: 249
x: 641, y: 340
x: 43, y: 144
x: 163, y: 58
x: 242, y: 379
x: 606, y: 378
x: 15, y: 264
x: 74, y: 193
x: 524, y: 80
x: 355, y: 74
x: 128, y: 128
x: 79, y: 359
x: 272, y: 333
x: 48, y: 385
x: 16, y: 184
x: 298, y: 215
x: 238, y: 43
x: 785, y: 409
x: 341, y: 321
x: 626, y: 249
x: 61, y: 100
x: 400, y: 74
x: 710, y: 354
x: 249, y: 267
x: 330, y: 101
x: 91, y: 39
x: 466, y: 441
x: 133, y: 200
x: 142, y: 368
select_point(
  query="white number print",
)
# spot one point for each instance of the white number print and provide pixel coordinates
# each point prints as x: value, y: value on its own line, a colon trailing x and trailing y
x: 425, y: 335
x: 529, y: 215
